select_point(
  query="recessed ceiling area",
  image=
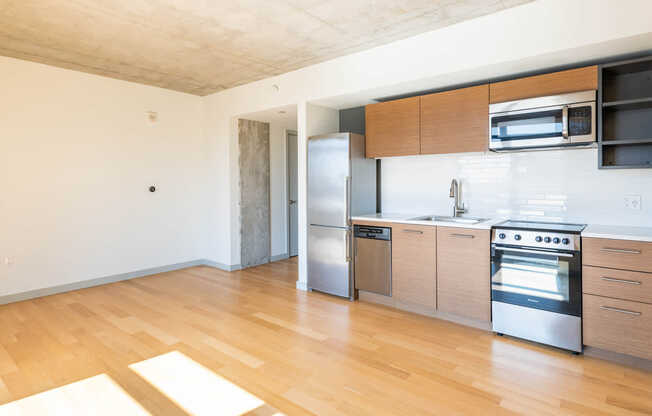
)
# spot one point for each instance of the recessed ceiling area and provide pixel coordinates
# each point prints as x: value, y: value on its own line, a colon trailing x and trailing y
x: 286, y: 115
x: 201, y: 47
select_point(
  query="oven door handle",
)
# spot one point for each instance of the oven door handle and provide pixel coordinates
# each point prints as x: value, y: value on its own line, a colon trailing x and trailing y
x: 564, y: 122
x: 522, y: 250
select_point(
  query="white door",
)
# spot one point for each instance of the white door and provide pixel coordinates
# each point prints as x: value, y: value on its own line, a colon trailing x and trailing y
x: 293, y: 210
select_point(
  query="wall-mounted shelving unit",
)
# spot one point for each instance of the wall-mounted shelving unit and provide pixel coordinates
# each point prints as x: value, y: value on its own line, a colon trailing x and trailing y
x: 625, y: 114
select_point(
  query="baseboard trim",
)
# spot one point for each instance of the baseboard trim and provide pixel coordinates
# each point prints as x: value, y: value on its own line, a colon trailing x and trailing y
x: 279, y: 257
x: 53, y: 290
x: 221, y: 266
x: 393, y: 303
x: 618, y: 358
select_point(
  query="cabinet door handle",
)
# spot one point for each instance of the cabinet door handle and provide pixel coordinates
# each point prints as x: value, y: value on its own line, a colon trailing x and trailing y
x: 620, y: 250
x: 625, y: 311
x: 611, y: 279
x: 413, y: 231
x: 462, y: 235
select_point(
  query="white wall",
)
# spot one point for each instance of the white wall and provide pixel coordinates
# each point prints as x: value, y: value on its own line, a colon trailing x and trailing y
x: 560, y: 185
x: 542, y: 34
x: 77, y: 157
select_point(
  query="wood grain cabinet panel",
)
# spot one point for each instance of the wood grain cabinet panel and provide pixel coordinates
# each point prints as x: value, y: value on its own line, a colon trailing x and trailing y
x: 617, y: 254
x: 392, y: 128
x: 463, y: 272
x: 572, y: 80
x: 620, y: 284
x: 617, y: 325
x: 414, y: 268
x: 455, y: 121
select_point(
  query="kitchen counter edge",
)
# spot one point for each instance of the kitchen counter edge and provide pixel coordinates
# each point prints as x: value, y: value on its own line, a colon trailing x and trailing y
x: 614, y: 232
x: 486, y: 225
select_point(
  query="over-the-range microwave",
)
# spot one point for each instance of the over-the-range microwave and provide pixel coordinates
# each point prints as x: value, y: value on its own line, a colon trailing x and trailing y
x: 544, y: 122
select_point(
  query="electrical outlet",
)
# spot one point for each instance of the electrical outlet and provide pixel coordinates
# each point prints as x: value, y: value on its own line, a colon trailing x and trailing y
x: 633, y: 202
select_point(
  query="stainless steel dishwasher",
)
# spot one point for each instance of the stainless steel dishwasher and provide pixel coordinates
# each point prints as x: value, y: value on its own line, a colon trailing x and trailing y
x: 373, y: 259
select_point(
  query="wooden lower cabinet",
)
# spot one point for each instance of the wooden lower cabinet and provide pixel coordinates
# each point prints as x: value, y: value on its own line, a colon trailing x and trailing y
x: 414, y: 269
x: 617, y: 254
x: 617, y: 325
x: 618, y: 284
x: 463, y: 272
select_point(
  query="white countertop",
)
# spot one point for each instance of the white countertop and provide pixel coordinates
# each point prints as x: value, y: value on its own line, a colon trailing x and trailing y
x: 616, y: 232
x: 405, y: 219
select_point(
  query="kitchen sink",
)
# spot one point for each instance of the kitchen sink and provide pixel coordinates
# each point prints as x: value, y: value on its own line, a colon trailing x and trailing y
x: 459, y: 220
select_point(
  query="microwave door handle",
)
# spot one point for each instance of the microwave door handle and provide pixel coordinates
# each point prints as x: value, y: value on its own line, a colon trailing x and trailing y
x: 564, y: 122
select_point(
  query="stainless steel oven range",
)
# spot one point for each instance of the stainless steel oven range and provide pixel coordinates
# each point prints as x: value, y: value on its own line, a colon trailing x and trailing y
x: 536, y: 282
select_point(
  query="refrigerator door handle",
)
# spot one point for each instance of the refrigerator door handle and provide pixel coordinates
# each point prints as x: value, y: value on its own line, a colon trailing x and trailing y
x: 347, y: 214
x: 348, y: 246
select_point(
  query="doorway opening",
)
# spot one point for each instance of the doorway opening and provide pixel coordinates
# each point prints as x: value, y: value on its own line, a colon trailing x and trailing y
x: 292, y: 192
x: 278, y: 225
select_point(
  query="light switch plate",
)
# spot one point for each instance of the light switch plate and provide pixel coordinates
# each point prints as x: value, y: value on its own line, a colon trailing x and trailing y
x: 633, y: 202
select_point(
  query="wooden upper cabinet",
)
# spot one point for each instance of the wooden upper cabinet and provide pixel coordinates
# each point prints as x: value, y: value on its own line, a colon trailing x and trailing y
x: 455, y: 121
x: 392, y: 128
x: 572, y: 80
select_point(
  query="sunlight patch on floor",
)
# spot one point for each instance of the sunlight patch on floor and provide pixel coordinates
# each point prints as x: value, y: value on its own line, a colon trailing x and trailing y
x: 98, y: 396
x: 196, y: 389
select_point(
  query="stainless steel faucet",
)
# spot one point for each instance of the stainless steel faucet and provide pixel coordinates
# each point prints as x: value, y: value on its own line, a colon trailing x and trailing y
x: 458, y: 207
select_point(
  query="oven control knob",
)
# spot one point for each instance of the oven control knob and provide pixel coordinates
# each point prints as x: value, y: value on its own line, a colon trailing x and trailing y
x: 547, y: 239
x: 517, y: 237
x: 538, y: 239
x: 565, y: 241
x: 502, y: 236
x: 556, y: 240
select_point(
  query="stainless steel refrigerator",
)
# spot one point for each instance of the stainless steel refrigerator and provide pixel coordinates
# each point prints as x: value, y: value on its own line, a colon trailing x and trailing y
x: 341, y: 183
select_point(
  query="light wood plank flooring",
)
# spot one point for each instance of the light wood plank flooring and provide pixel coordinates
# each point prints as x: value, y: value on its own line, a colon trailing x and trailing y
x: 300, y: 353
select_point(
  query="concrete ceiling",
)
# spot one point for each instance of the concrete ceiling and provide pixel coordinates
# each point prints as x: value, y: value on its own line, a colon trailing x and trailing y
x: 204, y: 46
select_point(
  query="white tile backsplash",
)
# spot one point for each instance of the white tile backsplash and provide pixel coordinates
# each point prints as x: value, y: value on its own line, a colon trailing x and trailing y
x: 557, y: 185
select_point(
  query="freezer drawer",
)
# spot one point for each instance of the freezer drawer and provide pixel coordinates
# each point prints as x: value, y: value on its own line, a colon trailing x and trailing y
x: 373, y: 266
x: 329, y: 260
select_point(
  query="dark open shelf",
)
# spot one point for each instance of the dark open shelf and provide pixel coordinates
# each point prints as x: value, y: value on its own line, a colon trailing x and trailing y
x: 625, y: 115
x: 636, y: 103
x: 627, y: 155
x: 611, y: 142
x: 627, y: 80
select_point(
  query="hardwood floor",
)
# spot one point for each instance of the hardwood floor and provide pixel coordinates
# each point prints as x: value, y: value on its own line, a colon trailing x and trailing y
x: 298, y: 352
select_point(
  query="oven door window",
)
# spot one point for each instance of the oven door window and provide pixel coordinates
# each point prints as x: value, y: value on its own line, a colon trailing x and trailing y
x: 546, y: 281
x: 527, y: 126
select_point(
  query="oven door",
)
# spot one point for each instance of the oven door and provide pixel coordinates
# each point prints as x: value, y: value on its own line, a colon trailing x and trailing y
x: 537, y: 278
x: 552, y: 126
